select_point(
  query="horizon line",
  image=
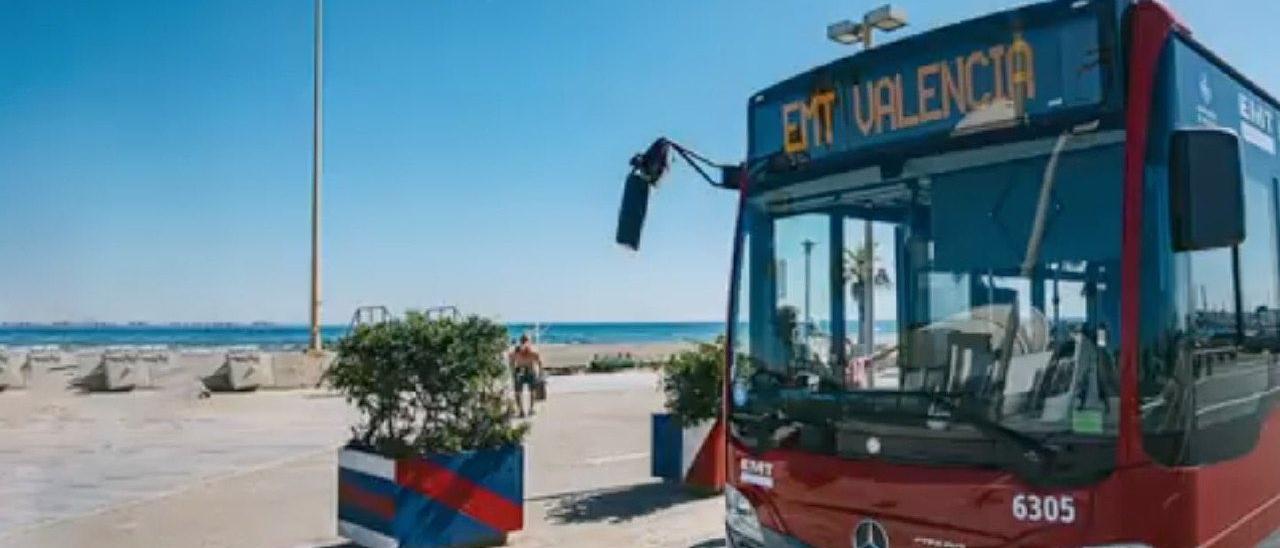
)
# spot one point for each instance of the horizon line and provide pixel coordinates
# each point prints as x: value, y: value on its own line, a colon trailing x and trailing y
x: 267, y: 323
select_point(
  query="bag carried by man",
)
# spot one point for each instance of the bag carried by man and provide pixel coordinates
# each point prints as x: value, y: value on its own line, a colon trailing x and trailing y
x: 539, y: 388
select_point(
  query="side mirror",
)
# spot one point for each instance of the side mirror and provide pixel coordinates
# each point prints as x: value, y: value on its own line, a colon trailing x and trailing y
x: 646, y: 170
x: 635, y: 205
x: 1206, y: 189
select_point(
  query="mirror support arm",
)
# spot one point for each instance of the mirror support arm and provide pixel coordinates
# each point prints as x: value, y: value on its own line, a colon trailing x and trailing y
x: 652, y: 164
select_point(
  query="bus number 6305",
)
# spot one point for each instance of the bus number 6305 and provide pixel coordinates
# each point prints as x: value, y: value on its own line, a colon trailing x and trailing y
x: 1050, y: 509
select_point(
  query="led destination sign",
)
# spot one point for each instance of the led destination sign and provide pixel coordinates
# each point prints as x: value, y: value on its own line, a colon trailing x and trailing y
x: 928, y: 85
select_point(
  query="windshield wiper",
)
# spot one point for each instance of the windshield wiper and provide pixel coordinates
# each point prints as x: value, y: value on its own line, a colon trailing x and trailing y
x: 1029, y: 447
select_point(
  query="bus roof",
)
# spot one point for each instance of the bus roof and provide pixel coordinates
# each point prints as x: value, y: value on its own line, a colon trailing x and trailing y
x: 1005, y: 76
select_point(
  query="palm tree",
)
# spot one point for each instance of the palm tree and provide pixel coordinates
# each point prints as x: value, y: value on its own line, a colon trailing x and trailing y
x: 860, y: 267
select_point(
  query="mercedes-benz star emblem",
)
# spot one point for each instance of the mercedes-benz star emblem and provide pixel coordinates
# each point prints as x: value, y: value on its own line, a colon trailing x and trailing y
x: 870, y: 534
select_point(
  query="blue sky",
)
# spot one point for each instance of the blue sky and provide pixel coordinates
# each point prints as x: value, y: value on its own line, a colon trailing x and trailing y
x: 154, y: 155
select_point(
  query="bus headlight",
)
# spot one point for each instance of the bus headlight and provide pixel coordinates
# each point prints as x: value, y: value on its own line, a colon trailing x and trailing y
x: 740, y: 516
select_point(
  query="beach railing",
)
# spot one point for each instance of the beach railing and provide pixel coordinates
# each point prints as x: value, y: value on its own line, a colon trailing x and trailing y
x: 153, y: 354
x: 48, y: 355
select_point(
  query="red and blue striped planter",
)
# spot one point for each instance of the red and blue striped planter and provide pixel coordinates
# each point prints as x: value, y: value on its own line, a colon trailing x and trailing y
x: 693, y: 456
x: 467, y: 499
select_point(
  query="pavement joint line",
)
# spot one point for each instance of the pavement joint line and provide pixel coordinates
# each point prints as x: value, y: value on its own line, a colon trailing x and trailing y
x: 617, y: 458
x: 199, y: 482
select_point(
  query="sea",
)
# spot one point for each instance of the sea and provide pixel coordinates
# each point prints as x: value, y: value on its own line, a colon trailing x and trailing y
x: 279, y: 336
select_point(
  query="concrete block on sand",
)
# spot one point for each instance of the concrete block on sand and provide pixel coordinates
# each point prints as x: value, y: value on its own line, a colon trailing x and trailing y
x: 119, y: 371
x: 298, y: 369
x: 124, y: 373
x: 241, y: 371
x: 14, y: 370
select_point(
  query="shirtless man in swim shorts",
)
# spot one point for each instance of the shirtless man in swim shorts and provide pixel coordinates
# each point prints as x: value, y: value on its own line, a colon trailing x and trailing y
x: 526, y: 367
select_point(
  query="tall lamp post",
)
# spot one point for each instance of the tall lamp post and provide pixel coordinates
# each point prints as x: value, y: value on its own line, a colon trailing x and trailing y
x: 888, y: 19
x: 808, y: 254
x: 317, y: 168
x: 867, y: 328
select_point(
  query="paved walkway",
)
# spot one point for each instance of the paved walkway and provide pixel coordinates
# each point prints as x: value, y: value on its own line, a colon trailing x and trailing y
x: 273, y: 483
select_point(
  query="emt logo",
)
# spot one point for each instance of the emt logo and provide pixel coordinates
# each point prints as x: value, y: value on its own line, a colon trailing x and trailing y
x: 756, y: 472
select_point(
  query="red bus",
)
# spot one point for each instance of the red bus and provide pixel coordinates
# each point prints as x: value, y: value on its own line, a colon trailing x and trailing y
x: 1077, y: 287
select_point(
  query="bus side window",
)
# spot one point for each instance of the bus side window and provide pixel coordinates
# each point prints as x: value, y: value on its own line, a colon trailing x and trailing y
x: 1218, y: 383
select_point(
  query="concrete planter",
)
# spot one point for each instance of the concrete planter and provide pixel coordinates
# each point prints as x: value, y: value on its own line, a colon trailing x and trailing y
x: 468, y: 499
x: 693, y: 455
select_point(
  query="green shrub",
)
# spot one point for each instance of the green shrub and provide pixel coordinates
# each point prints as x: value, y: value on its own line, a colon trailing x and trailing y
x: 693, y: 383
x: 427, y: 385
x: 605, y: 364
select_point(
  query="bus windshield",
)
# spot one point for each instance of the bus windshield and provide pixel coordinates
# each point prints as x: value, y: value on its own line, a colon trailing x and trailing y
x: 976, y: 359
